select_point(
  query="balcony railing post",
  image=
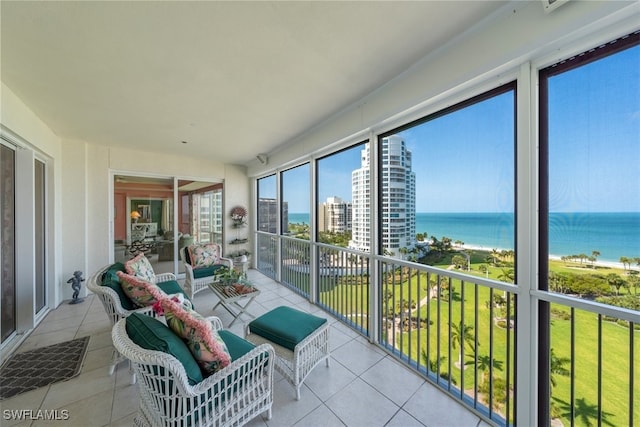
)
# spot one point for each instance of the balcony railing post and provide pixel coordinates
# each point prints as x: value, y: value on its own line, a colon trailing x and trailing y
x: 374, y: 300
x: 314, y: 294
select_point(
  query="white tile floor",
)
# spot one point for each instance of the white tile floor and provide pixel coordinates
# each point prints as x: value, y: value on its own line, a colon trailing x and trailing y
x: 363, y: 386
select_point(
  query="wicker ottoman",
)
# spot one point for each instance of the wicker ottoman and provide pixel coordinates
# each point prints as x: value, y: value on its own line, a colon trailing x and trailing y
x: 301, y: 341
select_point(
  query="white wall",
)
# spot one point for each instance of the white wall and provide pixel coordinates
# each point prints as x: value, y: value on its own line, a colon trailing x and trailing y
x: 74, y: 172
x: 24, y: 128
x: 489, y: 53
x: 79, y: 189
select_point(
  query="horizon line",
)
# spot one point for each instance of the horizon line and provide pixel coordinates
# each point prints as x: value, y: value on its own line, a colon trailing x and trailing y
x: 502, y: 212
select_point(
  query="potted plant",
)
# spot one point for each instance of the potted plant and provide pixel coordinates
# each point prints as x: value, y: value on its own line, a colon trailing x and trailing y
x: 241, y: 255
x: 238, y: 216
x: 234, y: 282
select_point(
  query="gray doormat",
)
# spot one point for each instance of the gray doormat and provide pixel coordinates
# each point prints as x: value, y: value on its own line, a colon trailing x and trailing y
x: 43, y: 366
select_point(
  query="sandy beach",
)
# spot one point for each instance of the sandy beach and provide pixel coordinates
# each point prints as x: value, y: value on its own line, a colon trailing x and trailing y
x: 599, y: 263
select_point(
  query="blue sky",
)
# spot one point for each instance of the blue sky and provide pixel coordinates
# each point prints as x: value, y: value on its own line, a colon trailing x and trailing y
x: 464, y: 161
x: 595, y: 136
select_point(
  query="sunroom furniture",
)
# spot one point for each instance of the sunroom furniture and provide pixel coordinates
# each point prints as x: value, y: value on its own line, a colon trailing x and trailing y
x: 234, y: 299
x: 300, y: 340
x: 198, y: 277
x: 106, y: 285
x: 171, y: 396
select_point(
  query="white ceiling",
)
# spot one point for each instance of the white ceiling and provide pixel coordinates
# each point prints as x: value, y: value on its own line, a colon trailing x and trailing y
x: 233, y: 79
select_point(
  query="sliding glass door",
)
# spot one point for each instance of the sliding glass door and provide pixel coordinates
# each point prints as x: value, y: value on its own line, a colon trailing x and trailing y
x: 156, y: 217
x: 40, y: 254
x: 143, y: 220
x: 200, y: 213
x: 8, y: 248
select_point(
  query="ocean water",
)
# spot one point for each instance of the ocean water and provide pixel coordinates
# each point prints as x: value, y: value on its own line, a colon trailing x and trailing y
x: 613, y: 234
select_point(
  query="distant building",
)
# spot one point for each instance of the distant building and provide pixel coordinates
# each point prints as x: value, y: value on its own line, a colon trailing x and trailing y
x: 398, y: 215
x: 207, y: 221
x: 334, y: 215
x: 268, y: 215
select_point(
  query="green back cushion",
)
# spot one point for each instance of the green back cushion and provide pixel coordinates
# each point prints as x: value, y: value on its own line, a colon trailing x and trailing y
x: 237, y: 346
x: 171, y: 287
x: 286, y: 326
x: 151, y: 334
x: 206, y: 271
x: 111, y: 280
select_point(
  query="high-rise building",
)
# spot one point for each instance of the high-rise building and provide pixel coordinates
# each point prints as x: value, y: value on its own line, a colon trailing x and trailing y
x: 268, y: 215
x: 334, y: 215
x: 360, y: 204
x: 207, y: 216
x: 398, y: 199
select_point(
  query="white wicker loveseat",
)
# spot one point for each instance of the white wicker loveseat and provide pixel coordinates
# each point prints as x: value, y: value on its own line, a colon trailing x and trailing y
x: 104, y: 283
x: 231, y: 396
x: 197, y: 279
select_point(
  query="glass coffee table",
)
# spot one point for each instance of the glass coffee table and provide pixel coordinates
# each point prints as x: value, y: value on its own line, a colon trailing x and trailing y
x: 235, y: 298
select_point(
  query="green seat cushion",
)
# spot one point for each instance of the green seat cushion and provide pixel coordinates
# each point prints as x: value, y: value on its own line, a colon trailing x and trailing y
x: 286, y: 326
x: 171, y: 287
x: 151, y: 334
x: 201, y: 272
x: 111, y: 280
x: 237, y: 346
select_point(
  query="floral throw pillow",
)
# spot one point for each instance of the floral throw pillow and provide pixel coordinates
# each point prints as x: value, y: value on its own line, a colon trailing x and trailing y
x: 142, y: 292
x: 204, y: 255
x: 202, y: 340
x: 140, y: 266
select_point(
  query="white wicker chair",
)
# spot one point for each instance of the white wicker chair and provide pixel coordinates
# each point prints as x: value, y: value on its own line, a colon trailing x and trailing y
x: 113, y: 307
x: 192, y: 285
x: 230, y: 397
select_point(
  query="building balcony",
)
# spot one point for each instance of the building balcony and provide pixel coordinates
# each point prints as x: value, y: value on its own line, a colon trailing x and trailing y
x: 363, y: 386
x: 473, y: 338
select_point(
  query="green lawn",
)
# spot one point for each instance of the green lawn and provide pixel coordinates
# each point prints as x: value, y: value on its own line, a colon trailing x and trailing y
x: 615, y: 369
x: 351, y: 298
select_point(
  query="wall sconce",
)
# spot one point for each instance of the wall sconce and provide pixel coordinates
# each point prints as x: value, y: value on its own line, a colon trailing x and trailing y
x: 262, y: 158
x: 135, y: 215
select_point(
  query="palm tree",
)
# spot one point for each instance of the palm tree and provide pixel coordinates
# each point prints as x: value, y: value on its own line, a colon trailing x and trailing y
x: 494, y: 256
x: 582, y: 257
x: 616, y: 281
x: 625, y: 261
x: 434, y: 364
x: 484, y: 364
x: 511, y: 253
x: 557, y: 367
x: 403, y: 251
x: 459, y: 261
x: 634, y: 282
x: 461, y: 334
x: 507, y: 275
x: 484, y: 268
x: 594, y: 257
